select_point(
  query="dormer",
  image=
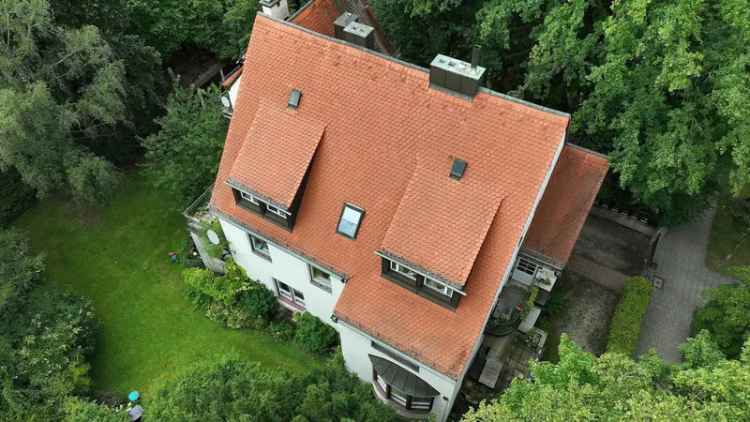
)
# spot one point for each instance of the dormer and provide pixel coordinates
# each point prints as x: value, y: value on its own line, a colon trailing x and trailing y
x: 268, y: 176
x: 437, y: 231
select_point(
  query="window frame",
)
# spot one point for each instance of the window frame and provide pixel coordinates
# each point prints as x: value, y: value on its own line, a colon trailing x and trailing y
x: 257, y: 251
x: 290, y: 295
x: 403, y: 400
x: 411, y: 275
x: 326, y: 285
x: 354, y: 208
x: 446, y: 291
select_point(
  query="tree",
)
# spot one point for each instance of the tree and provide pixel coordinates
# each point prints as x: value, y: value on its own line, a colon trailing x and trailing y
x: 45, y: 337
x: 19, y: 272
x: 616, y: 388
x: 60, y: 89
x: 222, y: 26
x: 725, y: 314
x: 183, y: 156
x: 232, y: 389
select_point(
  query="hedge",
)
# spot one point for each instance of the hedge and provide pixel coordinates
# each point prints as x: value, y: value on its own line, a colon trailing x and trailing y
x: 626, y: 323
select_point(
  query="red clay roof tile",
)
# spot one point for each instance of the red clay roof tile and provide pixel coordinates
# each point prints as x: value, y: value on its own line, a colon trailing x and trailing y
x: 318, y: 16
x: 566, y: 203
x: 433, y: 200
x: 276, y: 153
x: 380, y: 115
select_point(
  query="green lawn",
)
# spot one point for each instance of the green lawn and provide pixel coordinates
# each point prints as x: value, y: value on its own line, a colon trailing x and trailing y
x: 729, y: 244
x: 118, y: 257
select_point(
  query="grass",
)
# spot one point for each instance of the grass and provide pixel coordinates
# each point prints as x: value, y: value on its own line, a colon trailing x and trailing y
x: 729, y: 243
x: 118, y: 257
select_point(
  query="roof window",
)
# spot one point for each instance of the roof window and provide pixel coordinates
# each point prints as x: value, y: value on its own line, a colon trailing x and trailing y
x: 294, y: 98
x: 351, y: 216
x: 458, y: 168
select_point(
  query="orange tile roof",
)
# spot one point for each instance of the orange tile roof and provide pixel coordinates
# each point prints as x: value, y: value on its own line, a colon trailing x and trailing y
x: 380, y: 115
x: 318, y: 16
x: 432, y: 199
x: 276, y: 153
x: 566, y: 203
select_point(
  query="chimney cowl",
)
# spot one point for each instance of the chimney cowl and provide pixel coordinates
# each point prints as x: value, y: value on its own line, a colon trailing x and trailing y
x: 360, y: 34
x: 456, y: 75
x: 277, y: 9
x: 341, y: 22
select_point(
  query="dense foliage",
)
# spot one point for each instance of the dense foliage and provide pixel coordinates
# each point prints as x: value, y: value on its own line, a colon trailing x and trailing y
x: 45, y: 336
x: 660, y: 86
x: 233, y: 389
x: 183, y: 156
x: 707, y: 387
x: 222, y: 27
x: 232, y: 299
x: 15, y: 196
x: 625, y: 328
x: 314, y: 335
x: 726, y: 314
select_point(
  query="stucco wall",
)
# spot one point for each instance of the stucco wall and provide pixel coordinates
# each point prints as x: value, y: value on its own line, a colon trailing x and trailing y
x: 284, y: 267
x: 357, y: 347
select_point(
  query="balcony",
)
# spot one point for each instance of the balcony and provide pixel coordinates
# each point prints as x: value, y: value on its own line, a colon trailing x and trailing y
x: 206, y: 233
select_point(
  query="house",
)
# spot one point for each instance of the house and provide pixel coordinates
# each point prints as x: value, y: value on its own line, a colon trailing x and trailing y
x: 394, y: 202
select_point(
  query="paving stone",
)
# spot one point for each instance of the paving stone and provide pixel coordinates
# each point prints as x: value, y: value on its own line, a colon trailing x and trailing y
x: 681, y: 257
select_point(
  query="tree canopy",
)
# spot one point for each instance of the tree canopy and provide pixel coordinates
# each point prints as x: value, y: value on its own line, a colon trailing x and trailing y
x: 183, y: 156
x: 60, y: 90
x: 233, y: 389
x: 661, y: 86
x: 614, y: 387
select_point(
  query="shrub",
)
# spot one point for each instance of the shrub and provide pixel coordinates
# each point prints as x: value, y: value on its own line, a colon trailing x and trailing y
x: 725, y: 314
x: 313, y: 335
x: 16, y: 196
x: 281, y: 330
x: 626, y: 323
x: 259, y: 302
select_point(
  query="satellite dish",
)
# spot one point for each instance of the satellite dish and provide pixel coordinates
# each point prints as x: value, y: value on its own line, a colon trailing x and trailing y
x: 226, y: 102
x: 213, y: 237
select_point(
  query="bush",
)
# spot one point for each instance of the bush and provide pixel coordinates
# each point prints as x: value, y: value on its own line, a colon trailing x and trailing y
x: 313, y: 335
x: 231, y: 299
x: 231, y: 389
x: 626, y: 323
x: 725, y: 314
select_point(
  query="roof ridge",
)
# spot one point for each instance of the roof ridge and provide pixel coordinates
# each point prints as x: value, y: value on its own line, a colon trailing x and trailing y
x: 397, y: 61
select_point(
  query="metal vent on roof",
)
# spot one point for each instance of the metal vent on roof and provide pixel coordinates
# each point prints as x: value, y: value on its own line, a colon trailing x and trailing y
x: 294, y: 98
x: 458, y: 168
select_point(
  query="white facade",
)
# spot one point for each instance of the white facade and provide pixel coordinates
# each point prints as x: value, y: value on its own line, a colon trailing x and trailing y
x: 286, y: 268
x: 294, y: 270
x: 357, y: 347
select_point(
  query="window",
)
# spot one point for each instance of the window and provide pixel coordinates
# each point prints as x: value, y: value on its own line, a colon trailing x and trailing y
x: 290, y: 295
x: 351, y: 216
x: 260, y: 247
x: 260, y: 206
x: 438, y: 287
x: 404, y: 271
x: 389, y: 392
x: 320, y: 278
x: 250, y: 198
x: 278, y: 211
x: 526, y: 266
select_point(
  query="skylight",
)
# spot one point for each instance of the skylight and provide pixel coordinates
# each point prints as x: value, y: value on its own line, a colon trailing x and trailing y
x: 351, y: 216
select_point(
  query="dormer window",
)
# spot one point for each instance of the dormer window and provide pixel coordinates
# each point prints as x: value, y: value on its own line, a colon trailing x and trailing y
x: 250, y: 198
x: 418, y: 282
x: 438, y: 287
x: 351, y: 217
x: 260, y: 206
x: 403, y: 270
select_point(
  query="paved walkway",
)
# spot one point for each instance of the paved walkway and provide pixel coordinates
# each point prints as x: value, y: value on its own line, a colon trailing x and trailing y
x: 681, y: 257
